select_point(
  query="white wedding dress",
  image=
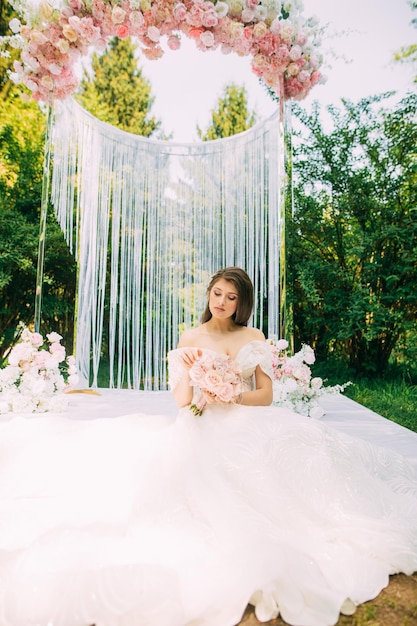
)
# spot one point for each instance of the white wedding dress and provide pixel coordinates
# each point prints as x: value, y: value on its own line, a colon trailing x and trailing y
x: 158, y: 521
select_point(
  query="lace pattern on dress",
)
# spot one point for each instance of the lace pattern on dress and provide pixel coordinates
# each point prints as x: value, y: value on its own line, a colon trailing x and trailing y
x: 176, y: 368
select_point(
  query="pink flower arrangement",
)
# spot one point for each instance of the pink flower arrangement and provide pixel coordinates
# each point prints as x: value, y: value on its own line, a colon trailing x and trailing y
x: 36, y: 377
x: 217, y: 375
x: 293, y: 385
x: 283, y: 45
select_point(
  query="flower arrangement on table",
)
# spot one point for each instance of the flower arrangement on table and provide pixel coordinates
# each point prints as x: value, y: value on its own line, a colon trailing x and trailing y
x: 284, y: 46
x: 293, y: 385
x: 217, y: 375
x: 37, y: 376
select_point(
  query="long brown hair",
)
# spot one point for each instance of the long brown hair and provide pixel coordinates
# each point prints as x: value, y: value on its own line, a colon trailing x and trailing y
x: 244, y: 287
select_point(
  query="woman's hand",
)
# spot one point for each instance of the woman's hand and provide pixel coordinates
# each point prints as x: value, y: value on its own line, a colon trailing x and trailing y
x: 190, y: 356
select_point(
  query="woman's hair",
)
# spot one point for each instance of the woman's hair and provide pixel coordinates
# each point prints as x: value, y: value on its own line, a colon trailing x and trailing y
x: 244, y: 287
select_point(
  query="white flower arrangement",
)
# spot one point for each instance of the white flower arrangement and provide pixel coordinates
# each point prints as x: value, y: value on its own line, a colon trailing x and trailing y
x: 293, y: 385
x: 36, y: 377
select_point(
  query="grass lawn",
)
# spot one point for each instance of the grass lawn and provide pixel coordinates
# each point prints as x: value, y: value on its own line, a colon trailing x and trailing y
x: 394, y: 399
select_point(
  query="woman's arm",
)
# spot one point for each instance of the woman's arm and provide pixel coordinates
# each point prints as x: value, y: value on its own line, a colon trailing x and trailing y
x: 183, y: 391
x: 262, y: 395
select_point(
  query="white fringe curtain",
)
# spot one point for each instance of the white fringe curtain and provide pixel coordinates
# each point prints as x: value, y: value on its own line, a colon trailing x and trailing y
x: 149, y: 222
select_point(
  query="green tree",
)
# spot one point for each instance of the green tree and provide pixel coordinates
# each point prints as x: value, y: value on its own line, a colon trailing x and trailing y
x: 22, y: 128
x: 353, y: 239
x: 118, y: 93
x: 409, y: 53
x: 231, y: 116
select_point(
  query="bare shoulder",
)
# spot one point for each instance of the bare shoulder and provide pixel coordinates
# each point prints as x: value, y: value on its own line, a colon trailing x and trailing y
x: 254, y: 334
x: 190, y: 338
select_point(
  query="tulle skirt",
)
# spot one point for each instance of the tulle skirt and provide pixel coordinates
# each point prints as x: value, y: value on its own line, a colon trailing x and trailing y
x: 158, y: 521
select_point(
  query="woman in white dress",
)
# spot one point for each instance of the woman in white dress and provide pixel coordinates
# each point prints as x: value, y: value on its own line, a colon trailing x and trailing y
x: 156, y: 521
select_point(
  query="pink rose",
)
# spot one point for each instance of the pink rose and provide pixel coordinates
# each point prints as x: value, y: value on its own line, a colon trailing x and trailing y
x: 25, y: 31
x: 66, y: 13
x: 54, y: 337
x: 195, y: 33
x: 179, y: 12
x: 76, y: 5
x: 295, y: 53
x: 293, y: 69
x: 37, y: 37
x: 225, y: 392
x: 63, y: 45
x: 259, y: 30
x: 209, y: 19
x: 36, y: 339
x: 55, y: 69
x: 136, y: 19
x: 315, y: 77
x: 275, y: 27
x: 118, y: 15
x: 57, y: 351
x: 153, y: 34
x: 122, y: 31
x: 69, y: 33
x: 153, y: 53
x: 174, y: 42
x: 211, y: 381
x: 247, y: 16
x: 316, y: 382
x: 301, y: 38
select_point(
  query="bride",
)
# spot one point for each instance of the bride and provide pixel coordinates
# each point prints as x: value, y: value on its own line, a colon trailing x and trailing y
x: 149, y: 520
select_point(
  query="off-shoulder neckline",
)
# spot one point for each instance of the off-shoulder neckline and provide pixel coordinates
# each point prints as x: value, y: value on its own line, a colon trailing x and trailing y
x: 249, y: 343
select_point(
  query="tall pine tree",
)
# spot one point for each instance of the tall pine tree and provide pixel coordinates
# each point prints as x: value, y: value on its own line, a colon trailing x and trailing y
x: 231, y: 116
x: 118, y: 93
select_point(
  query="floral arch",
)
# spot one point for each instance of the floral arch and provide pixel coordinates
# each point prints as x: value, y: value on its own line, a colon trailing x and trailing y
x: 282, y: 44
x: 168, y: 214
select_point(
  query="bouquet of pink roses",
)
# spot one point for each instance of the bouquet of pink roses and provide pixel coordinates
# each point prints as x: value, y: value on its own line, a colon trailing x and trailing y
x: 217, y: 375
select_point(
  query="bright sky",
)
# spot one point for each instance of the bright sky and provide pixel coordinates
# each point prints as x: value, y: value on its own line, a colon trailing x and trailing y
x: 187, y: 83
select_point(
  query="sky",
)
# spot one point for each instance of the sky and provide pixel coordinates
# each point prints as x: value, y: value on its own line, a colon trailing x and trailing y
x: 361, y: 38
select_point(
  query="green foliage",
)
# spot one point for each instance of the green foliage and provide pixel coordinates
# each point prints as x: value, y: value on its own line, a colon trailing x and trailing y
x: 118, y: 93
x: 6, y: 62
x: 231, y: 116
x: 22, y: 128
x: 353, y: 239
x: 409, y: 53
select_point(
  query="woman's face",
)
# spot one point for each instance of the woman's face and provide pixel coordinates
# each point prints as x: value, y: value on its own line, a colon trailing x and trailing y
x: 223, y: 299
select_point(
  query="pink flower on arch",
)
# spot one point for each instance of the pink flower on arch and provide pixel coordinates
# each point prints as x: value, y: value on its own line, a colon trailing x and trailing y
x: 174, y: 42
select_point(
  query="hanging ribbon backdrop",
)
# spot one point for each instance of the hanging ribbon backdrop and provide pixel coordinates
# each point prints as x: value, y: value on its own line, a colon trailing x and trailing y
x: 149, y: 222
